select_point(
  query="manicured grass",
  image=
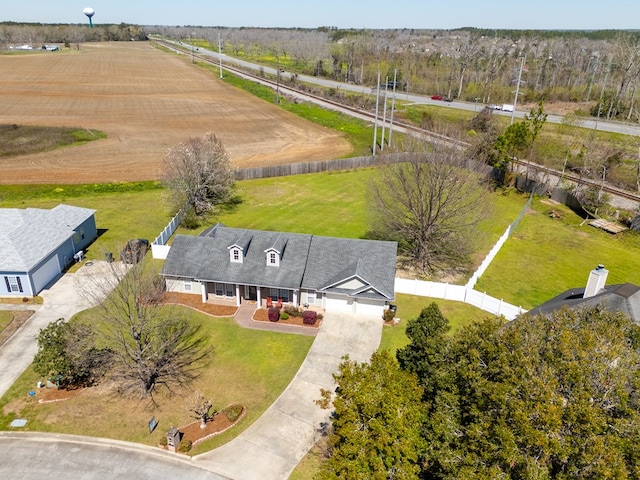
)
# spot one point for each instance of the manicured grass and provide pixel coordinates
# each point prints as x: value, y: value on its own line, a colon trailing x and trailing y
x: 249, y: 367
x: 546, y: 256
x: 409, y: 308
x: 5, y: 319
x: 123, y: 211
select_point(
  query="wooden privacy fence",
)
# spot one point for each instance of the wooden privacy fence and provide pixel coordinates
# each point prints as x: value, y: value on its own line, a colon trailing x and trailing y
x: 458, y: 293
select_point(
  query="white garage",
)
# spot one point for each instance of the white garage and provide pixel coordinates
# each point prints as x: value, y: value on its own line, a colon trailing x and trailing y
x: 46, y: 273
x: 340, y: 303
x: 369, y: 307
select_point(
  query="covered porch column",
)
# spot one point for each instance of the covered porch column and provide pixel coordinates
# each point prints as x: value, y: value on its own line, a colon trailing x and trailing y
x: 296, y: 294
x: 203, y: 287
x: 237, y: 295
x: 258, y: 297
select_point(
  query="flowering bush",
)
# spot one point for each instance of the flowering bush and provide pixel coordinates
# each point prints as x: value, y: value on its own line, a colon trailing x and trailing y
x: 309, y: 317
x: 274, y: 314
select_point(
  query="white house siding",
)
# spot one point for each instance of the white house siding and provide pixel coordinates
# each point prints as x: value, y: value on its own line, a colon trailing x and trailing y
x: 47, y: 272
x: 369, y: 307
x: 181, y: 286
x: 339, y: 303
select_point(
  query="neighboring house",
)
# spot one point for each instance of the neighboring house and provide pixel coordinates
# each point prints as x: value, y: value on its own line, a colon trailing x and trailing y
x: 342, y: 274
x: 36, y: 245
x: 623, y: 298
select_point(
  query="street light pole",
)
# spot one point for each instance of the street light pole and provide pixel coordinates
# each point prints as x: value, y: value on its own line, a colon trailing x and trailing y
x: 220, y: 53
x: 515, y: 100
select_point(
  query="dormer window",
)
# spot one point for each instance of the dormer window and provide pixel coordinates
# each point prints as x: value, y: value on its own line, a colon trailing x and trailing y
x: 273, y: 258
x: 236, y: 255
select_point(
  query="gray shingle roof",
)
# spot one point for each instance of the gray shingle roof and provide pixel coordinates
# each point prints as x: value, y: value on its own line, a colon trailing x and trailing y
x: 310, y: 262
x: 28, y: 235
x: 623, y: 298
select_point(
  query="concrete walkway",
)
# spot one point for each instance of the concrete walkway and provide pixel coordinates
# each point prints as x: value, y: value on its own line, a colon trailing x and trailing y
x: 277, y: 441
x: 63, y: 299
x: 244, y: 318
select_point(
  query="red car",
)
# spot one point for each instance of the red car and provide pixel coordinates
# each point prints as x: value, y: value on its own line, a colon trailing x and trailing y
x: 437, y: 97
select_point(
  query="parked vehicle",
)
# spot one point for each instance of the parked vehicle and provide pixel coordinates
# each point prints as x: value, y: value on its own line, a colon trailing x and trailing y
x: 437, y: 97
x: 507, y: 107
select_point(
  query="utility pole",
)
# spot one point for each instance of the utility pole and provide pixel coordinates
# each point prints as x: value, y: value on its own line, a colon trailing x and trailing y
x: 515, y: 100
x: 375, y: 123
x: 384, y: 112
x: 220, y: 53
x: 393, y: 103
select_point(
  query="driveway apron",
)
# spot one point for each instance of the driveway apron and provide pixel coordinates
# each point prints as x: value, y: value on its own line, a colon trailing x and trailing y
x: 277, y: 441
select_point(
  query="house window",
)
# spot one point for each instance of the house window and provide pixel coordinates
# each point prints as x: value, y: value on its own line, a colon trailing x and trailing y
x: 13, y: 284
x: 82, y: 233
x: 219, y: 289
x: 272, y: 258
x: 235, y: 255
x: 228, y: 289
x: 311, y: 297
x: 187, y: 286
x: 280, y: 293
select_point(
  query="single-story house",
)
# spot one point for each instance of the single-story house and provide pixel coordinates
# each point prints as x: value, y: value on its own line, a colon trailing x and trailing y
x: 235, y: 264
x: 624, y: 298
x: 37, y: 245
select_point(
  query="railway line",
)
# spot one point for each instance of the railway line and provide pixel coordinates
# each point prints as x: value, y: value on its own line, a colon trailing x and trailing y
x: 629, y: 198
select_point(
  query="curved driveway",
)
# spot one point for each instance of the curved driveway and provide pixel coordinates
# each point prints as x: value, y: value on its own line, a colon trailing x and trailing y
x: 268, y: 449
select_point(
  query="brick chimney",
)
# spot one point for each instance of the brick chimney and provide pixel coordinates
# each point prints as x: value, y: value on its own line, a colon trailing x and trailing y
x: 596, y: 282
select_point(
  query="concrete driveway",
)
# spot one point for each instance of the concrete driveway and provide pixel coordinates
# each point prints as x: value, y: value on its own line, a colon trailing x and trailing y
x: 269, y: 449
x: 277, y: 441
x: 63, y: 299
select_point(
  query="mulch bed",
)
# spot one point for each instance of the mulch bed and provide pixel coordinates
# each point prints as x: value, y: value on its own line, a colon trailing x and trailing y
x: 195, y: 302
x: 50, y: 395
x: 261, y: 315
x: 216, y: 425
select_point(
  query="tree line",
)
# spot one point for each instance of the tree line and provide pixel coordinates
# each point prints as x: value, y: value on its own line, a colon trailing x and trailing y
x: 540, y: 397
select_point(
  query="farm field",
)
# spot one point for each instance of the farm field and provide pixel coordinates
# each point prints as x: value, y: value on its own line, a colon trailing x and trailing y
x: 146, y: 101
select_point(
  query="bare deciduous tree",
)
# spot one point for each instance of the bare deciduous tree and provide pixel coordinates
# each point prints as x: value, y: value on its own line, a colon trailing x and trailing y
x: 199, y: 175
x: 429, y: 204
x: 152, y: 345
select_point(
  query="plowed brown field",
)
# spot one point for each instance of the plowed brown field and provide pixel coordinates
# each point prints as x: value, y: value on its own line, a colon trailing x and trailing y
x: 145, y: 101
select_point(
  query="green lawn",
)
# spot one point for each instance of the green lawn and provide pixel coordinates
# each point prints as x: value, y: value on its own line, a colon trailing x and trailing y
x: 249, y: 367
x: 410, y: 306
x: 5, y: 319
x: 123, y: 211
x: 546, y: 256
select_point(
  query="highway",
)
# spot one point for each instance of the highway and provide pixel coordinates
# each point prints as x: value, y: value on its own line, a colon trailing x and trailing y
x: 589, y: 123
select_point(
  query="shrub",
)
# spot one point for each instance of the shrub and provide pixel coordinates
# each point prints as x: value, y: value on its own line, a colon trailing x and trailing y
x: 388, y: 315
x: 163, y: 441
x: 233, y: 412
x: 320, y: 316
x: 184, y: 446
x: 293, y: 311
x: 284, y: 316
x: 309, y: 317
x: 274, y: 314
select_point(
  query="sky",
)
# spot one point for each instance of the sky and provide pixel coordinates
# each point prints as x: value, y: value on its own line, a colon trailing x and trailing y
x: 371, y: 14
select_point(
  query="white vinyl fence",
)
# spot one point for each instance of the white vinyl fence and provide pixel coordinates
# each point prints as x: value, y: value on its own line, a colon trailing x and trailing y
x: 159, y: 248
x: 458, y: 293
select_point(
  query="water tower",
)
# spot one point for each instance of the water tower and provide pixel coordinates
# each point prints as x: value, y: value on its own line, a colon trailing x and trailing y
x: 89, y: 12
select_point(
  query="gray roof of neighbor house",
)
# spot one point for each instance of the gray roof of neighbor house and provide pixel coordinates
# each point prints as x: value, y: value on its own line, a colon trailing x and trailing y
x: 623, y: 298
x: 29, y: 235
x: 306, y: 261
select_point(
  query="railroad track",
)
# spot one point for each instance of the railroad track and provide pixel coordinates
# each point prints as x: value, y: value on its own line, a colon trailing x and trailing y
x: 401, y: 126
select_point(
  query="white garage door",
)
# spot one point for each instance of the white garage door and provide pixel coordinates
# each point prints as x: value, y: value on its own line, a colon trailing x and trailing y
x: 369, y: 307
x: 338, y: 303
x: 45, y: 274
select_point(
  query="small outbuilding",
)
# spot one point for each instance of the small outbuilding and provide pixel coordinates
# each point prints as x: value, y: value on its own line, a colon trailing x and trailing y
x: 37, y: 245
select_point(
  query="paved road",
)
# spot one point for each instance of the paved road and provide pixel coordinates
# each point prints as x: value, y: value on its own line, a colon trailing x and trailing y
x: 269, y: 449
x: 603, y: 125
